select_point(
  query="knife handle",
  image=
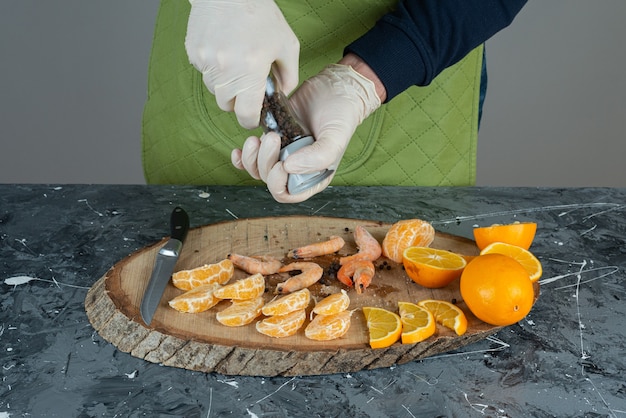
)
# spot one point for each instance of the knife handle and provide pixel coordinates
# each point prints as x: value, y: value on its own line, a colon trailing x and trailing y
x: 179, y: 224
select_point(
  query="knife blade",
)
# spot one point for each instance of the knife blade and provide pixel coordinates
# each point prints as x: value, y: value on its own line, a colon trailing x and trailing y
x: 164, y: 264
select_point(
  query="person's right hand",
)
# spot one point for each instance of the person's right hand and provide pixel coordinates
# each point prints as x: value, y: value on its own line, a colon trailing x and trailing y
x: 234, y: 43
x: 332, y: 105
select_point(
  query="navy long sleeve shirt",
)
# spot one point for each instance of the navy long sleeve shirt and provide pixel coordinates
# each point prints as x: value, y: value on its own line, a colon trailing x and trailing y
x: 421, y: 38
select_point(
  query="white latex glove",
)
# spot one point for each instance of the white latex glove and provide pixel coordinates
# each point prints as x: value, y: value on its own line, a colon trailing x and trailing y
x: 234, y: 43
x: 332, y: 104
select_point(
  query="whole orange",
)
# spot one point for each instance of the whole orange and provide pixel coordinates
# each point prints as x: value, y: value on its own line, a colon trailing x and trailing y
x: 497, y: 289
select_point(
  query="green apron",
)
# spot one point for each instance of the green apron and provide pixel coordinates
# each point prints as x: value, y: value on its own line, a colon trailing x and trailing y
x: 426, y: 136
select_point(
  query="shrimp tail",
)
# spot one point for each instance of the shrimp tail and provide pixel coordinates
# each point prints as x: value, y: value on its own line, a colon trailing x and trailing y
x: 344, y: 274
x: 358, y: 273
x: 363, y: 274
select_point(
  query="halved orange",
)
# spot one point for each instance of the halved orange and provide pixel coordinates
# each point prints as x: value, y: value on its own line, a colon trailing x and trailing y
x: 406, y: 233
x: 446, y: 314
x: 328, y: 327
x: 249, y: 288
x: 332, y: 304
x: 521, y: 255
x: 292, y: 302
x: 384, y: 326
x: 496, y: 289
x: 198, y: 299
x: 432, y: 267
x: 209, y: 273
x: 521, y: 234
x: 279, y: 326
x: 240, y: 312
x: 418, y: 323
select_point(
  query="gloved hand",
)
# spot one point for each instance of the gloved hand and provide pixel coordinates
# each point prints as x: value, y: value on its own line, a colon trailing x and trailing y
x: 332, y: 105
x: 234, y: 43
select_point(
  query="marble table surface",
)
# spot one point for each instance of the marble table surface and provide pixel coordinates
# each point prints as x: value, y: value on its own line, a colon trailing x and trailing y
x: 566, y: 358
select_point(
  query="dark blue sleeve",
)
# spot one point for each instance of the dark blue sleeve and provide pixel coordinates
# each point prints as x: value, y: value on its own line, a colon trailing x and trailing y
x: 421, y: 38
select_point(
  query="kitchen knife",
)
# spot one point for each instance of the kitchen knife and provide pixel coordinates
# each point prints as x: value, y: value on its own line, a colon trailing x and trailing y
x: 164, y: 264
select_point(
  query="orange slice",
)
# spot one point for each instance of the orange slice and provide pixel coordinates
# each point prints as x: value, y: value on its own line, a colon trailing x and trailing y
x: 384, y: 326
x: 198, y: 299
x: 279, y: 326
x: 332, y: 304
x: 289, y: 303
x: 249, y: 288
x: 328, y: 327
x: 521, y: 234
x: 521, y: 255
x: 446, y: 314
x: 209, y: 273
x: 240, y: 312
x: 418, y: 323
x: 431, y: 267
x: 404, y: 234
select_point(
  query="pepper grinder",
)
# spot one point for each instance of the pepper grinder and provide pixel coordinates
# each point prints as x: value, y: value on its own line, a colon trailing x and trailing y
x: 278, y: 116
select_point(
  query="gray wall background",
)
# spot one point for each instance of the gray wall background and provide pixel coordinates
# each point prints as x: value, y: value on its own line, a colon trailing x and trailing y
x: 73, y: 82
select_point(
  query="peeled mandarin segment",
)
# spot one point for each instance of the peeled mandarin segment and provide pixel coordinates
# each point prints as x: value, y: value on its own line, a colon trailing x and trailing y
x: 404, y: 234
x: 521, y: 234
x: 496, y: 289
x: 240, y: 312
x: 249, y: 288
x: 446, y: 314
x: 209, y: 273
x: 384, y: 326
x: 332, y: 304
x: 196, y: 300
x: 431, y: 267
x: 328, y: 327
x: 289, y: 303
x: 279, y: 326
x: 519, y: 254
x: 418, y: 323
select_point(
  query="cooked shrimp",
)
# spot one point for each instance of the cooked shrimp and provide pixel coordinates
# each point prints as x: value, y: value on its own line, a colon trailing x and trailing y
x: 369, y: 248
x: 311, y: 273
x: 333, y: 245
x: 357, y: 272
x: 257, y: 264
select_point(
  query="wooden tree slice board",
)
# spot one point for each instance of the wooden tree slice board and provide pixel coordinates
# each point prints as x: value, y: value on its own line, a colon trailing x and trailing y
x: 198, y: 342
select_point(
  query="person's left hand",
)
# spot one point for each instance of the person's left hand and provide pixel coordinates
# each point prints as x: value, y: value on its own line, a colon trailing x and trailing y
x: 332, y: 104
